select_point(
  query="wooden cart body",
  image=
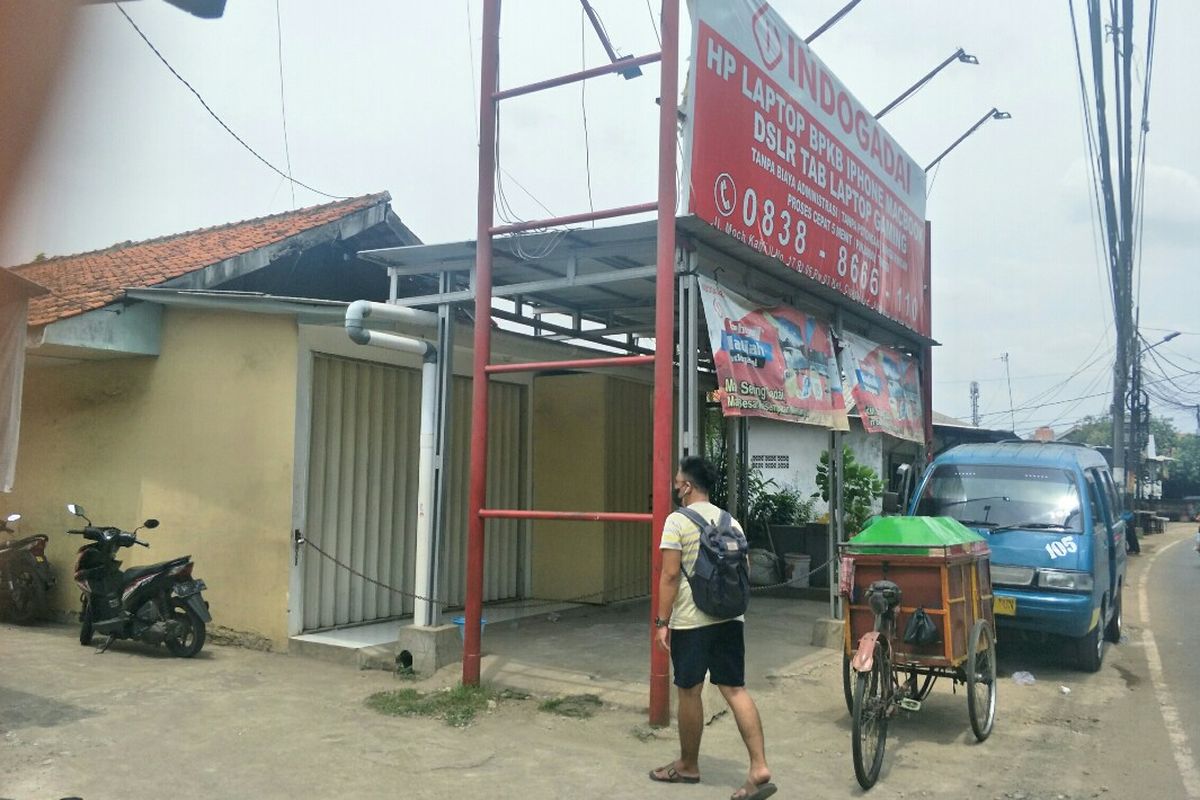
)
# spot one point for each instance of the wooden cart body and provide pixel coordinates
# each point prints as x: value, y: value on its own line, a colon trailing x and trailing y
x: 952, y: 583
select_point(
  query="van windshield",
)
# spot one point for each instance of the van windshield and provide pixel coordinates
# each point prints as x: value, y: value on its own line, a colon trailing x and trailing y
x: 1003, y: 496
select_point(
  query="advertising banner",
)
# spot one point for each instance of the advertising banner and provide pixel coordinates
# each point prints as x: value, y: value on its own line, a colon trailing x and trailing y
x: 885, y: 385
x: 776, y: 362
x: 782, y: 157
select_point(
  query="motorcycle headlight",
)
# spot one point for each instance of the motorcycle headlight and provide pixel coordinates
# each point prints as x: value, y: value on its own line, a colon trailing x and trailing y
x: 1065, y: 580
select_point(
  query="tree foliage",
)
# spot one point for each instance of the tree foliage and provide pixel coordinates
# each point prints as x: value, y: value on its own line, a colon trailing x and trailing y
x: 861, y: 487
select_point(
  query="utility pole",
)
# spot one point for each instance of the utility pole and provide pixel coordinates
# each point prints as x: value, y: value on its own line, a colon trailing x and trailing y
x: 1117, y: 204
x: 975, y: 404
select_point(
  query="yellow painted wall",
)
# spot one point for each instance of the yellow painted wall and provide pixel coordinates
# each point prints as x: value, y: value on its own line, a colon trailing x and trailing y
x: 591, y: 452
x: 200, y: 437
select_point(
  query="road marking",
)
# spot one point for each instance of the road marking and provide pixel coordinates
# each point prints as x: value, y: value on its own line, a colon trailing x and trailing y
x: 1179, y: 740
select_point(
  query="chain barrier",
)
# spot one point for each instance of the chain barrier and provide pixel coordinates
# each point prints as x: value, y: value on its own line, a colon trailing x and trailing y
x: 534, y: 602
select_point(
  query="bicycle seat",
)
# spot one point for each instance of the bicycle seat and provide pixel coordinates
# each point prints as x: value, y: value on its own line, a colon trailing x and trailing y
x: 883, y: 596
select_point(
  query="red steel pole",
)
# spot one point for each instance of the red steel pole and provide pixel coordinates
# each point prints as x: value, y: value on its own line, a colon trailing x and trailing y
x: 573, y: 516
x: 490, y: 70
x: 664, y: 342
x: 587, y: 216
x: 576, y: 363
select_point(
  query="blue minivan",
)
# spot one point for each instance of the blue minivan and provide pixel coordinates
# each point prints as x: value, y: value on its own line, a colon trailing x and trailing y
x: 1054, y: 522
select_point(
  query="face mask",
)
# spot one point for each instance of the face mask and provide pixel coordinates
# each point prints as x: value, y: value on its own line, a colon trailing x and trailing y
x: 678, y: 495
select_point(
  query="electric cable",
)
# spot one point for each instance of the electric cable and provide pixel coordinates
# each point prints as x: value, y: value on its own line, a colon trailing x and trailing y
x: 216, y: 117
x: 654, y: 23
x: 287, y: 151
x: 587, y: 146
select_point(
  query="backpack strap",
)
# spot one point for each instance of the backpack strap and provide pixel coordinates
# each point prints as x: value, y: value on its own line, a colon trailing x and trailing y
x: 697, y: 519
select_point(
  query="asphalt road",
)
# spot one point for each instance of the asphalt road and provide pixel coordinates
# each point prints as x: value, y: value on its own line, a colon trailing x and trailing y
x: 235, y: 723
x: 1171, y: 640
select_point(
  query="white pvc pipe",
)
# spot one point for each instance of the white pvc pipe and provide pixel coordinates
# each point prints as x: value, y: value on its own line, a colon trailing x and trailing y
x: 358, y: 312
x: 425, y: 611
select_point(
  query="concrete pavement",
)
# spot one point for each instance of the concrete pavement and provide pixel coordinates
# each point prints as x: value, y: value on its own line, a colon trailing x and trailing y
x: 237, y: 723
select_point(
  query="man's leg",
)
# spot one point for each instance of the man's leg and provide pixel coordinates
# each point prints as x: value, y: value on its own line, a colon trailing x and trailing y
x: 745, y: 713
x: 687, y: 661
x: 691, y: 727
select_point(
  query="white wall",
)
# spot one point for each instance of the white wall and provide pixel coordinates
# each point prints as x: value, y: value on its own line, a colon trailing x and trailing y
x: 802, y: 446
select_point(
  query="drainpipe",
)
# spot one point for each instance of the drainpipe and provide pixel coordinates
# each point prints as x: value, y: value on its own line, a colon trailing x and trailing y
x: 424, y: 606
x: 356, y: 313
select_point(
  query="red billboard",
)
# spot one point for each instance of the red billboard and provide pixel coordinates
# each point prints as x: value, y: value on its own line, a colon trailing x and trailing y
x: 782, y: 157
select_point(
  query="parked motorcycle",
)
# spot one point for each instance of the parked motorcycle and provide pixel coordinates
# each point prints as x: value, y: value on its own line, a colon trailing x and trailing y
x: 25, y: 576
x: 160, y: 603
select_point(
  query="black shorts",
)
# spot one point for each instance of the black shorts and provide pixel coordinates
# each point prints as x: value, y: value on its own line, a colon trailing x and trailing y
x: 719, y: 650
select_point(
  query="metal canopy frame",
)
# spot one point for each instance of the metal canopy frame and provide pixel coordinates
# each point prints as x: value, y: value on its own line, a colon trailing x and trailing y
x: 622, y: 280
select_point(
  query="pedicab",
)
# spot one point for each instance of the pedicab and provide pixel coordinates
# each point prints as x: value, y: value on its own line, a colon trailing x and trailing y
x: 918, y: 600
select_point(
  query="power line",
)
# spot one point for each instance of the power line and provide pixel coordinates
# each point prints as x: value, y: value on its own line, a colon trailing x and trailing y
x: 654, y: 23
x: 287, y: 152
x: 214, y: 115
x: 1083, y: 397
x: 587, y: 146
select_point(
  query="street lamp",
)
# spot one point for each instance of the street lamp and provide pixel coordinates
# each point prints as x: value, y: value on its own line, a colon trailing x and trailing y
x: 958, y: 55
x: 993, y: 114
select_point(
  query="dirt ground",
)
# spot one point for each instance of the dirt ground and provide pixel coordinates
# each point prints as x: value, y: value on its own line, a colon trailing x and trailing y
x: 236, y: 723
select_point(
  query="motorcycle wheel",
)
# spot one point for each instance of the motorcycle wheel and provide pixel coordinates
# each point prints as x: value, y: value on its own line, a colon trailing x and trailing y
x: 28, y: 597
x: 85, y: 624
x: 189, y: 643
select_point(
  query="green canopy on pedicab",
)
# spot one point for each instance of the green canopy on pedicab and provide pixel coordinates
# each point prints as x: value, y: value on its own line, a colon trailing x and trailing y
x: 905, y: 533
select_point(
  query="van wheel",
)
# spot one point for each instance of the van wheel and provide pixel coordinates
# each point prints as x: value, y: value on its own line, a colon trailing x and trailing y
x: 1112, y: 632
x: 1089, y: 649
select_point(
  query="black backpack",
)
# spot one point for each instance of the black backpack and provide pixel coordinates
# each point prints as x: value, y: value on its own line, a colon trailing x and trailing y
x: 720, y: 579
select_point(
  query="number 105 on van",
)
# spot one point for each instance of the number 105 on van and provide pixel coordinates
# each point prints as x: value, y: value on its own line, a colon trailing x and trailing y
x: 1005, y: 605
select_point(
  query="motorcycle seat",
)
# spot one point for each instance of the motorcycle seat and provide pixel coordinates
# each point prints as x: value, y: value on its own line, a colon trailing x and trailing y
x: 18, y: 544
x: 133, y: 573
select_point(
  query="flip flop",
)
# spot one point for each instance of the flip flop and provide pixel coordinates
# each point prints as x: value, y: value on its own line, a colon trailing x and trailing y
x: 760, y: 792
x: 673, y: 776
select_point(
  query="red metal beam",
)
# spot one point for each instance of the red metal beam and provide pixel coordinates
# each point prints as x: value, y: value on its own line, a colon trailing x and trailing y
x: 578, y: 363
x: 664, y: 343
x: 477, y: 492
x: 576, y: 77
x: 576, y: 516
x: 587, y: 216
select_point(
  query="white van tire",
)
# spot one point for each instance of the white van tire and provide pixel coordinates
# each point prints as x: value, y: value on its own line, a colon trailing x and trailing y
x: 1112, y: 632
x: 1089, y: 649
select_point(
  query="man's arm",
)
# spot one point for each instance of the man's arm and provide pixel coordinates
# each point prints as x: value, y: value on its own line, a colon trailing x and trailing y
x: 668, y: 588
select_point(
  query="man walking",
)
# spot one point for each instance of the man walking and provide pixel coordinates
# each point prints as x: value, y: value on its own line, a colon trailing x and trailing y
x: 700, y: 644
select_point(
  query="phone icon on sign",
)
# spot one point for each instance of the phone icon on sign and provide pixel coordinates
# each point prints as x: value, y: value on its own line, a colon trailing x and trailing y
x: 725, y: 193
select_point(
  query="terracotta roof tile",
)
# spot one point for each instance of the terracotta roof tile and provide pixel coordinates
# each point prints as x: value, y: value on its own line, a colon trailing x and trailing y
x: 88, y: 281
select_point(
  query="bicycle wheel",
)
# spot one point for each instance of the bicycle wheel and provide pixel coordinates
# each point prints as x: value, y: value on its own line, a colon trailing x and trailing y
x: 848, y: 684
x: 872, y: 694
x: 981, y: 680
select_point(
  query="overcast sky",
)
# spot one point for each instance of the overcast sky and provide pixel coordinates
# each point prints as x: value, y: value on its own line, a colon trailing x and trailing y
x: 381, y: 94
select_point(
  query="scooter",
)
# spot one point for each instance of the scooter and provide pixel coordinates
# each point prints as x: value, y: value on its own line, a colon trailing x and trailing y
x: 159, y: 604
x: 25, y: 576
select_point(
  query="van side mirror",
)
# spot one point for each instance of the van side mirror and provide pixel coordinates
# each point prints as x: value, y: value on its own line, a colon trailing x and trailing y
x: 891, y: 503
x: 150, y: 523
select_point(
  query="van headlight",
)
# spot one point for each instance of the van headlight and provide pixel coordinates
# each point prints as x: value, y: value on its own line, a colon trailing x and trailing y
x: 1065, y: 580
